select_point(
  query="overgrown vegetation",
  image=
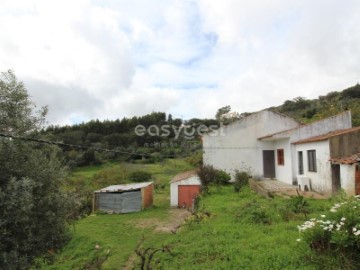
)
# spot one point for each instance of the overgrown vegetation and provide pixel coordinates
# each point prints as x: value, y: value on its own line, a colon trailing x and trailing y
x: 147, y: 255
x: 306, y: 110
x: 336, y: 233
x: 210, y: 176
x: 140, y: 176
x: 241, y: 180
x: 34, y: 209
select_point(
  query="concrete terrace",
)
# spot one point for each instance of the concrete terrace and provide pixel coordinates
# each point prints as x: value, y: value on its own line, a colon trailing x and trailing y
x: 269, y: 188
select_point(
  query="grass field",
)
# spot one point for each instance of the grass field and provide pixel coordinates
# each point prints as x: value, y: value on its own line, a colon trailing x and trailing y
x: 116, y: 235
x: 244, y: 231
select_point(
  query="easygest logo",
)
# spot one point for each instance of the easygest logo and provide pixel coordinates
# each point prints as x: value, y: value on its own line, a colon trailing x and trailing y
x: 189, y: 132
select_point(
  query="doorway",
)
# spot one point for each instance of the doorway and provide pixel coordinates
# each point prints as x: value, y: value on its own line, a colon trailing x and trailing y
x: 357, y: 179
x: 335, y: 177
x: 269, y: 163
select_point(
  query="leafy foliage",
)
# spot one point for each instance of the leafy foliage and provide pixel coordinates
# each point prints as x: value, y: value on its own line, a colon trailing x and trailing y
x: 306, y: 110
x: 140, y: 176
x: 210, y: 176
x: 337, y: 233
x: 34, y: 209
x: 241, y: 180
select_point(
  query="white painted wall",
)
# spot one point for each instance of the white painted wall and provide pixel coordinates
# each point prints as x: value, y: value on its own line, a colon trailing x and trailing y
x: 193, y: 180
x: 284, y: 172
x: 237, y: 144
x: 320, y: 181
x: 347, y: 178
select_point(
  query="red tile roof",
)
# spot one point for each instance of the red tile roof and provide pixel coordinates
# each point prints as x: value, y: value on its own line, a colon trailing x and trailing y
x: 184, y: 175
x: 347, y: 160
x: 328, y: 135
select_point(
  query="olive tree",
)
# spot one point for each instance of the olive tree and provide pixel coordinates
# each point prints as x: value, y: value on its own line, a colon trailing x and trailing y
x: 33, y: 207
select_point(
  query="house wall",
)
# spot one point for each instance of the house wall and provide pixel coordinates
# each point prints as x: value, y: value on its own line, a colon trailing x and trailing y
x: 320, y: 180
x: 345, y: 145
x: 284, y: 172
x: 194, y: 180
x: 347, y: 178
x: 236, y: 146
x: 336, y: 122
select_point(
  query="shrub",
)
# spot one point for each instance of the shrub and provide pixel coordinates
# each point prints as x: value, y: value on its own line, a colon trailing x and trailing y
x: 222, y: 178
x: 298, y: 204
x: 254, y: 213
x: 210, y: 176
x: 207, y: 174
x: 195, y: 159
x: 336, y: 232
x: 140, y: 176
x: 241, y: 180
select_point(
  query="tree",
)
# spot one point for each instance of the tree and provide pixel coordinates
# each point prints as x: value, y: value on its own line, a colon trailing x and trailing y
x: 222, y: 111
x: 33, y: 207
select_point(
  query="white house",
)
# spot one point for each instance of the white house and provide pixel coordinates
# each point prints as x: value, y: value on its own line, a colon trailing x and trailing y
x: 269, y: 143
x: 330, y: 160
x: 184, y: 187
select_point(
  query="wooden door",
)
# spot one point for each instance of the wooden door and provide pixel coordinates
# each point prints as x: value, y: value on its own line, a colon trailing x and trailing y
x: 335, y: 177
x: 186, y: 195
x: 269, y: 163
x: 357, y: 179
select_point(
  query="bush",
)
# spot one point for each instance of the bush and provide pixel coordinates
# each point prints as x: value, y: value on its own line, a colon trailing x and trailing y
x: 207, y: 174
x: 241, y: 180
x: 253, y: 213
x: 337, y: 233
x: 195, y: 159
x: 298, y: 204
x: 210, y: 176
x: 222, y: 177
x: 140, y: 176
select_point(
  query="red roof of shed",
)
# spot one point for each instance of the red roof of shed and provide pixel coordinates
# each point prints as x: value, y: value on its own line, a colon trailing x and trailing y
x: 184, y: 175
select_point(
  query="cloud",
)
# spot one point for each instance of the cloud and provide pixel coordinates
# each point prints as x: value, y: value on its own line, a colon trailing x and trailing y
x: 109, y: 59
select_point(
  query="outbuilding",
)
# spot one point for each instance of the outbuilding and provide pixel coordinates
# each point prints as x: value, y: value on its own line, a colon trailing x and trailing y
x: 124, y: 198
x: 184, y: 188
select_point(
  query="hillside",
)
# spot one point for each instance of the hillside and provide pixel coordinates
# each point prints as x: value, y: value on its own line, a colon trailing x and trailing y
x: 165, y: 137
x: 309, y: 110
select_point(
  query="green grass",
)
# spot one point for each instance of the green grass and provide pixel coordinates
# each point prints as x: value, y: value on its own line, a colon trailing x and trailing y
x: 226, y: 242
x: 245, y: 231
x: 117, y: 235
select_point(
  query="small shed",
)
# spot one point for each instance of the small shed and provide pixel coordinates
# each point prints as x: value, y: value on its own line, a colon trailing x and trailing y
x: 184, y: 187
x: 124, y: 198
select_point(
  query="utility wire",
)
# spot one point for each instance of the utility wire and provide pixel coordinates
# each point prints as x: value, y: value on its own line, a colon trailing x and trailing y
x: 82, y: 146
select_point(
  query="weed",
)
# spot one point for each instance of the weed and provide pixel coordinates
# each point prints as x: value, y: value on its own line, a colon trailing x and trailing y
x: 146, y: 255
x: 241, y: 180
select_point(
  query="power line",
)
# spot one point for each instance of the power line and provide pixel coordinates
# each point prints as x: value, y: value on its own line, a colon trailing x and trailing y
x: 83, y: 146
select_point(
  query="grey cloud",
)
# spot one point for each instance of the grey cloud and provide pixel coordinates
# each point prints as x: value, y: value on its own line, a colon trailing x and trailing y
x: 64, y: 102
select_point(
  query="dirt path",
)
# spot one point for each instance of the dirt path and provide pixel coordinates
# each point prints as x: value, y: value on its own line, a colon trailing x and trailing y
x: 172, y: 224
x: 177, y: 217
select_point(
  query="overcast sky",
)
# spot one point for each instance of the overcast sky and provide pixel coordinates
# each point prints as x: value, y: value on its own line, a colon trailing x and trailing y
x: 114, y: 58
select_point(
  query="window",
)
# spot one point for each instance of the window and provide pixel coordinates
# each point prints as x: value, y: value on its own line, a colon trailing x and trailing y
x: 300, y: 162
x: 311, y: 160
x: 280, y: 156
